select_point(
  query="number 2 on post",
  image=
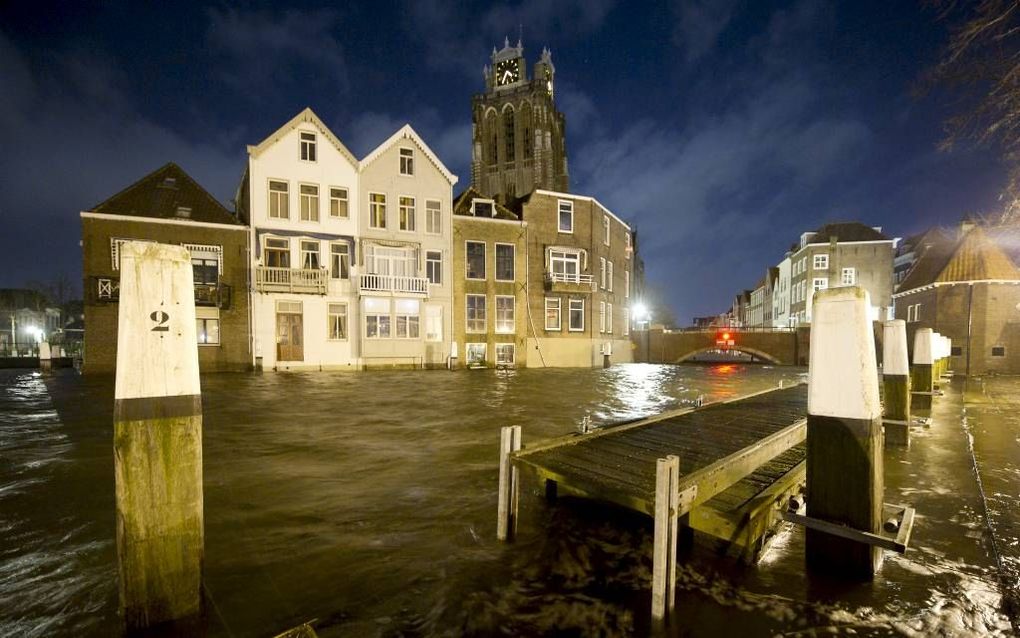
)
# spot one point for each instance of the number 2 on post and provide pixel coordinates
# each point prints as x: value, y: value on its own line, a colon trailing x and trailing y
x: 161, y: 319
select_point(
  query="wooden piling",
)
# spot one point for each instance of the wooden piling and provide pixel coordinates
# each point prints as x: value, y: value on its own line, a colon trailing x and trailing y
x: 157, y: 437
x: 896, y: 383
x: 921, y: 381
x: 45, y: 357
x: 506, y: 515
x: 667, y: 507
x: 844, y: 433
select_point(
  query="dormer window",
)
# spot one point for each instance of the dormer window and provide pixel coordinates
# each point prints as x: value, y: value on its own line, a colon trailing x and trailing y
x: 481, y: 207
x: 183, y: 211
x: 169, y: 182
x: 406, y: 161
x: 307, y: 146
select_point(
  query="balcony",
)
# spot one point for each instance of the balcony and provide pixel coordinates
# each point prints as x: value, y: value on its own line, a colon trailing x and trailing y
x: 394, y: 284
x: 217, y: 295
x: 311, y: 281
x: 569, y: 282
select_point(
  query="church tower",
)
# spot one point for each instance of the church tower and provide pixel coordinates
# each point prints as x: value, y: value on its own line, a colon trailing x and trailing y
x: 518, y: 136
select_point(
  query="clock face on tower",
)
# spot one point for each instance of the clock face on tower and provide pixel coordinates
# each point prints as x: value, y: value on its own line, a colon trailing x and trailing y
x: 508, y: 72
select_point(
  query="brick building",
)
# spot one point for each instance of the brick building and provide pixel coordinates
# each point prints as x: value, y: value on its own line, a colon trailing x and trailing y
x: 967, y: 287
x: 168, y: 206
x: 490, y: 268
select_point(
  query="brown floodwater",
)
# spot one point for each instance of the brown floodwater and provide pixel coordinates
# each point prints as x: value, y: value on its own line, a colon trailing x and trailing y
x: 368, y: 502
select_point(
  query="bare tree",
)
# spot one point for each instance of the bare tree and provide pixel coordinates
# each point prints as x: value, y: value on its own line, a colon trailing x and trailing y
x: 981, y: 67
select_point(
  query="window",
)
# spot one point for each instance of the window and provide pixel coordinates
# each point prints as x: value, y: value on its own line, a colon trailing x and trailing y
x: 475, y: 308
x: 377, y: 318
x: 552, y: 314
x: 406, y: 161
x: 308, y: 146
x: 277, y: 252
x: 630, y: 244
x: 407, y: 213
x: 208, y: 331
x: 626, y: 322
x: 913, y: 313
x: 279, y: 199
x: 475, y: 354
x: 566, y: 217
x: 504, y: 354
x: 504, y: 314
x: 433, y: 217
x: 407, y: 319
x: 504, y: 262
x: 434, y: 266
x: 482, y: 208
x: 377, y: 210
x: 508, y: 135
x: 609, y: 318
x: 475, y: 260
x: 602, y: 316
x: 819, y: 283
x: 998, y: 351
x: 338, y: 202
x: 399, y: 262
x: 309, y: 203
x: 310, y: 254
x: 602, y: 269
x: 626, y: 284
x: 609, y: 283
x: 821, y: 262
x: 955, y: 351
x: 605, y: 229
x: 564, y: 263
x: 849, y: 276
x: 205, y: 271
x: 576, y: 317
x: 336, y: 322
x: 339, y: 260
x: 433, y: 323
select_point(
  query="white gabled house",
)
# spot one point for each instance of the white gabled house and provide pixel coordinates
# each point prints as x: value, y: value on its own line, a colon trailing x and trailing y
x: 405, y: 291
x: 300, y: 197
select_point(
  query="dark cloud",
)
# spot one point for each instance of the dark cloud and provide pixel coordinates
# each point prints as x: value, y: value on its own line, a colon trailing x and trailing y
x: 699, y: 24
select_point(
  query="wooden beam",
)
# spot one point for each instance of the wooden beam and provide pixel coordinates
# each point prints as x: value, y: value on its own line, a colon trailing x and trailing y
x: 896, y: 544
x: 667, y: 471
x: 506, y: 509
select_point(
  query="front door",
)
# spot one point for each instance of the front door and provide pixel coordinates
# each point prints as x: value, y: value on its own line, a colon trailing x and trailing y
x: 289, y: 337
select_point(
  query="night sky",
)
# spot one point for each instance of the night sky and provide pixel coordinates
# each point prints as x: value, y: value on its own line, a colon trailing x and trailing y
x: 720, y: 129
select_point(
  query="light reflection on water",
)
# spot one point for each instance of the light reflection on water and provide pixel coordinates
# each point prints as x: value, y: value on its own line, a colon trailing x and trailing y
x: 368, y: 501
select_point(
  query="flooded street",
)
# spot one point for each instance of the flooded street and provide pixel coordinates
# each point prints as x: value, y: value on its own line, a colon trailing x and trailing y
x: 368, y: 502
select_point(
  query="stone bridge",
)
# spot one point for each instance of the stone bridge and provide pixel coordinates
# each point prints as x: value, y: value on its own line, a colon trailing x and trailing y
x: 780, y: 346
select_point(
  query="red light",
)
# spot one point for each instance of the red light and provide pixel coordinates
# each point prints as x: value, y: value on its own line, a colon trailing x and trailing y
x: 726, y: 336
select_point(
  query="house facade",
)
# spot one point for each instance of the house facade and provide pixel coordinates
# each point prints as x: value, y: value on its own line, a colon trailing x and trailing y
x: 579, y: 281
x: 967, y: 288
x: 781, y: 295
x: 168, y: 206
x: 300, y: 196
x: 490, y: 302
x: 405, y: 282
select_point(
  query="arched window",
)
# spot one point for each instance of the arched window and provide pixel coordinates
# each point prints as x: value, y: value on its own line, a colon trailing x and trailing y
x: 491, y: 137
x: 527, y: 134
x: 508, y: 137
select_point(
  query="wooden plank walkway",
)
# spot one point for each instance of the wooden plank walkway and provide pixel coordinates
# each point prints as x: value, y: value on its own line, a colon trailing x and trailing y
x: 719, y: 445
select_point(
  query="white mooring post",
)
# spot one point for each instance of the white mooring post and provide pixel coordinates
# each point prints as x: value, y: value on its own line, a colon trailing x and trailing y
x: 667, y: 507
x: 921, y: 381
x: 506, y: 514
x: 157, y: 437
x: 896, y: 383
x: 45, y: 356
x: 844, y: 433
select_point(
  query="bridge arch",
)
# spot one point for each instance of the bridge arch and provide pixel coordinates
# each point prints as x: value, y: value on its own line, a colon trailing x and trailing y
x: 751, y: 351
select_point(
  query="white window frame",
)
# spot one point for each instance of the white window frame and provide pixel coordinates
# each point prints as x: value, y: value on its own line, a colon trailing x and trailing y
x: 609, y: 287
x: 313, y: 211
x: 433, y: 217
x: 467, y: 352
x: 433, y: 315
x: 407, y: 213
x: 605, y: 229
x: 513, y: 312
x: 626, y: 284
x: 815, y: 281
x: 468, y: 326
x: 558, y: 306
x: 467, y: 258
x: 513, y: 354
x: 346, y: 253
x: 409, y: 320
x: 570, y: 309
x: 278, y: 197
x: 565, y: 257
x: 343, y: 201
x: 438, y: 268
x: 276, y: 249
x: 602, y: 269
x: 406, y: 154
x: 379, y: 316
x: 609, y: 318
x: 199, y: 332
x: 564, y: 206
x: 820, y: 261
x: 602, y: 316
x: 626, y: 321
x: 309, y: 147
x: 332, y: 317
x: 374, y: 206
x: 317, y: 252
x: 852, y: 279
x: 495, y: 261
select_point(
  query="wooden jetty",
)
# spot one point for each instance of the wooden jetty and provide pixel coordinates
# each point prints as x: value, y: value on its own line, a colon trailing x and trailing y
x: 729, y: 468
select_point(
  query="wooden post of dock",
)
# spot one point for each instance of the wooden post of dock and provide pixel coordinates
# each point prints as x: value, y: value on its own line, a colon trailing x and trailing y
x: 921, y: 382
x: 157, y: 437
x: 896, y: 383
x: 45, y: 357
x: 936, y: 361
x: 667, y: 508
x: 506, y: 514
x: 844, y: 433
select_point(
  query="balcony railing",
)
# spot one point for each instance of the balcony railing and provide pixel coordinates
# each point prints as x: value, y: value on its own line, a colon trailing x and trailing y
x: 394, y: 284
x: 572, y: 281
x: 107, y: 289
x: 298, y: 280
